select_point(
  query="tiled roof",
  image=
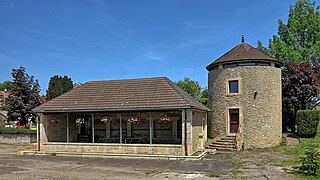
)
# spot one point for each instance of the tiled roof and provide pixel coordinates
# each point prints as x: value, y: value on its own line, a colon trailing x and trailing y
x: 123, y: 95
x: 4, y: 94
x: 243, y: 53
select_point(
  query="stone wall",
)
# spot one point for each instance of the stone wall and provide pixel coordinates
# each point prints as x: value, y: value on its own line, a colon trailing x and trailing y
x: 260, y: 115
x: 18, y: 138
x: 199, y: 130
x: 2, y: 121
x: 114, y: 148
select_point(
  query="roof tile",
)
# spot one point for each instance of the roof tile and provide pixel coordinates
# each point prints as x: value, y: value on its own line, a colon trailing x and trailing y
x: 242, y: 52
x: 146, y: 93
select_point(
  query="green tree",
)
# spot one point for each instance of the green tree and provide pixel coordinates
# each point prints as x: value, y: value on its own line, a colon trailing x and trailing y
x: 204, y: 96
x: 6, y: 86
x: 194, y: 89
x: 58, y: 85
x: 23, y: 98
x: 299, y: 40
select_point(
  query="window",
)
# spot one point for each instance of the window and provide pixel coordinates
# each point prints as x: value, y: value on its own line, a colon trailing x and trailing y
x: 233, y: 120
x: 263, y: 64
x: 247, y: 64
x: 230, y: 65
x: 215, y: 67
x: 233, y: 86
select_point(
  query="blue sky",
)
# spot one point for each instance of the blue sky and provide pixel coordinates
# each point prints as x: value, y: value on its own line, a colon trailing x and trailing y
x: 124, y: 39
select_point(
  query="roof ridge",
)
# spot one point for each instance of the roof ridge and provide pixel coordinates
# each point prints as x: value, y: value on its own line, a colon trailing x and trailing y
x: 173, y: 86
x: 243, y: 51
x: 159, y: 77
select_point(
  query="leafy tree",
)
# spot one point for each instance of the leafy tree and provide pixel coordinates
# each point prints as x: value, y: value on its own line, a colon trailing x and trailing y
x: 23, y: 98
x: 192, y: 87
x: 58, y: 85
x: 299, y: 40
x: 6, y: 85
x: 204, y: 96
x: 299, y: 83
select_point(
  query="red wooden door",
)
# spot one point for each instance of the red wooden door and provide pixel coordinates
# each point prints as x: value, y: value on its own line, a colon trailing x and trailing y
x: 233, y: 121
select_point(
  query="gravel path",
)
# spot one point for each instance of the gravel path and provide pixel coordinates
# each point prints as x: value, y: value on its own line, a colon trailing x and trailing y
x: 15, y: 166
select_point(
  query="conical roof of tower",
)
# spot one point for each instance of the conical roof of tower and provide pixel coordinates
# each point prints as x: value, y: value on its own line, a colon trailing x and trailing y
x: 243, y: 53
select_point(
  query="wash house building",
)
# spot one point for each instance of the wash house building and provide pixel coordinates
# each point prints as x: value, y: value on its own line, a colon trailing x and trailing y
x: 137, y: 116
x: 244, y: 87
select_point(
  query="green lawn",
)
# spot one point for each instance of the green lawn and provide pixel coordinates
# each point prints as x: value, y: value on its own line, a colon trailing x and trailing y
x: 293, y: 153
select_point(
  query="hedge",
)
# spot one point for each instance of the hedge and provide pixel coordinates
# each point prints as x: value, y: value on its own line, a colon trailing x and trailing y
x: 308, y: 122
x: 16, y: 131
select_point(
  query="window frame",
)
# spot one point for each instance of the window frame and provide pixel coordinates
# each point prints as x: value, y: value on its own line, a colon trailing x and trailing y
x: 229, y: 86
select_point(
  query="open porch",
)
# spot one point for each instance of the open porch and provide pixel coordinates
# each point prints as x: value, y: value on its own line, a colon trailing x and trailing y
x: 136, y: 132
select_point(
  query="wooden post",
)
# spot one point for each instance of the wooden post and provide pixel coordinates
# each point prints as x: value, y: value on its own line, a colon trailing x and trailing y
x: 129, y: 129
x: 68, y: 136
x: 92, y: 121
x: 174, y: 129
x: 120, y: 129
x: 150, y: 128
x: 38, y: 133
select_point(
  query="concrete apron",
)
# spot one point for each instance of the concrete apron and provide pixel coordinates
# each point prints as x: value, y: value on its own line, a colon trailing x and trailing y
x: 124, y: 156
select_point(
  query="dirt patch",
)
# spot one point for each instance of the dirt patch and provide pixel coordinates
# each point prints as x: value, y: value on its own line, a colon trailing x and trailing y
x: 241, y: 165
x: 260, y: 164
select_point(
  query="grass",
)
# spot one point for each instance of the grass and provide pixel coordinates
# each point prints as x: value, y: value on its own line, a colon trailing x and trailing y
x: 303, y: 177
x: 293, y: 153
x: 213, y: 175
x: 298, y: 150
x: 237, y: 166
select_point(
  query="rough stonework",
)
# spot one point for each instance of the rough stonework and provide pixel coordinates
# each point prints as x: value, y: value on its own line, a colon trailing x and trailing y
x: 244, y: 92
x: 199, y: 130
x: 260, y: 112
x: 18, y: 138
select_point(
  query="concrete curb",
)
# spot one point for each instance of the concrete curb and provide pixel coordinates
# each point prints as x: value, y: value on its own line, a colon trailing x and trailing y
x: 124, y: 156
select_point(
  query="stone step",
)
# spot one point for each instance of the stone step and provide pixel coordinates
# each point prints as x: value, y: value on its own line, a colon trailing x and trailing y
x: 227, y: 141
x: 222, y: 149
x: 221, y: 145
x: 228, y: 138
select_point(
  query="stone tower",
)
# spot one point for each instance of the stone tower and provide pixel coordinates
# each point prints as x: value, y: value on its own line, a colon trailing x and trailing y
x: 245, y: 97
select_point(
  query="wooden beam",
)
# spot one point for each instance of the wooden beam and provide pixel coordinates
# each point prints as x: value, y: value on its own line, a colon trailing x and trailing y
x: 150, y: 127
x: 120, y: 129
x: 68, y: 136
x: 92, y: 121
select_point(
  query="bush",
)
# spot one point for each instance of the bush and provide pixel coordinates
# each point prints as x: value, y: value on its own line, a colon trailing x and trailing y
x: 16, y: 131
x: 308, y: 122
x: 310, y: 163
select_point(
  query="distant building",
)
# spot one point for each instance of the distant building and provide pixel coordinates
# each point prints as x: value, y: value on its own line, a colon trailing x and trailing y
x: 3, y: 113
x: 76, y: 85
x: 245, y: 98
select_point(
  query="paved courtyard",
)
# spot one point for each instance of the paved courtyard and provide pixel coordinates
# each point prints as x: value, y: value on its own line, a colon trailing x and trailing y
x: 224, y: 165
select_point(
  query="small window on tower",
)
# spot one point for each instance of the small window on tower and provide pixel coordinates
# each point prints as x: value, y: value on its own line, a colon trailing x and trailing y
x: 233, y: 86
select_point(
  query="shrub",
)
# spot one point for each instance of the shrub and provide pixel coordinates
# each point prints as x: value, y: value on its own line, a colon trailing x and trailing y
x: 308, y: 122
x: 310, y: 163
x: 16, y: 131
